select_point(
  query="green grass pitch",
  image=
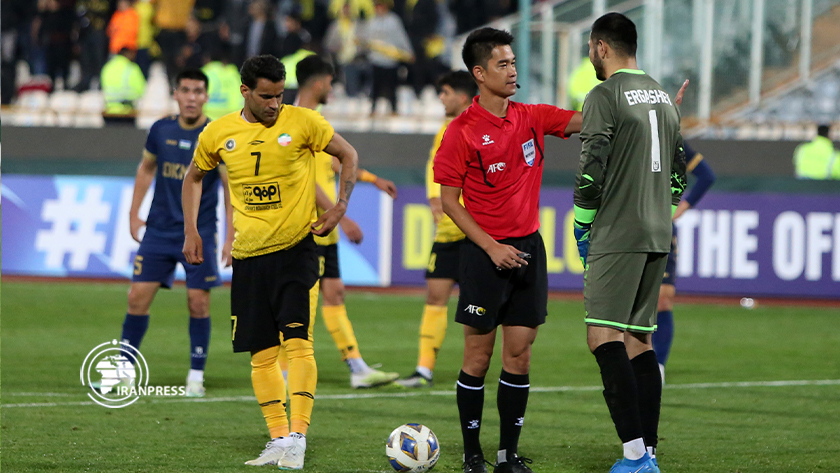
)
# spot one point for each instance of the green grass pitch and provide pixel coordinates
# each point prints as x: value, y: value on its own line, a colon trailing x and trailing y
x: 722, y: 410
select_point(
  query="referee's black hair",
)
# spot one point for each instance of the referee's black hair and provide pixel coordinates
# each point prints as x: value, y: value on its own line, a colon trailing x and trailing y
x: 262, y: 67
x: 312, y: 67
x: 460, y: 81
x: 478, y: 49
x: 193, y: 74
x: 618, y: 31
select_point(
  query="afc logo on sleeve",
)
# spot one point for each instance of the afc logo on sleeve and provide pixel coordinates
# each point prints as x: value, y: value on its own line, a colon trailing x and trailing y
x: 529, y: 151
x: 261, y: 196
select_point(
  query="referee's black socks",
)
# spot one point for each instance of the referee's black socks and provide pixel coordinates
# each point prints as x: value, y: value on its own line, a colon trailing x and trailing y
x: 511, y: 399
x: 620, y: 390
x: 470, y: 394
x: 649, y: 384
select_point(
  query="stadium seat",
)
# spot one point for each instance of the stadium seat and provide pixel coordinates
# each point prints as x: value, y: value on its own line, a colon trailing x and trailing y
x: 65, y: 104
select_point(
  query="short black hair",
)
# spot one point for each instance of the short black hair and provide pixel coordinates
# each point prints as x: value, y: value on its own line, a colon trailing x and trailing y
x: 478, y: 49
x: 460, y: 81
x: 262, y: 67
x: 313, y: 67
x: 618, y: 31
x: 193, y: 74
x: 822, y: 130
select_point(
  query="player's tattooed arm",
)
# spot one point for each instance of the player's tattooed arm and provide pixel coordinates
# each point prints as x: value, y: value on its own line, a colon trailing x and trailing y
x: 349, y: 158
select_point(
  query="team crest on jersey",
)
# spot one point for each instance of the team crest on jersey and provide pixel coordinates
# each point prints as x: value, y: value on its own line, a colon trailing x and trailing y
x: 284, y: 139
x: 230, y: 144
x: 529, y: 151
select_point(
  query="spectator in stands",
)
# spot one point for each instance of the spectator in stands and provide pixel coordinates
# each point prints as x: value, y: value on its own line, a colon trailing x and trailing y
x: 223, y: 82
x: 123, y: 27
x: 11, y: 15
x: 355, y: 9
x: 54, y: 30
x: 261, y: 35
x: 92, y: 20
x: 27, y: 36
x: 171, y: 19
x: 315, y: 20
x: 342, y: 43
x: 295, y: 38
x: 145, y: 35
x: 817, y: 159
x: 122, y: 84
x: 385, y: 38
x: 198, y: 46
x: 234, y: 28
x: 469, y: 14
x: 422, y: 22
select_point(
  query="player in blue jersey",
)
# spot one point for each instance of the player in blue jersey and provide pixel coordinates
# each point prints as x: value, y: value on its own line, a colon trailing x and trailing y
x: 167, y: 154
x: 664, y: 335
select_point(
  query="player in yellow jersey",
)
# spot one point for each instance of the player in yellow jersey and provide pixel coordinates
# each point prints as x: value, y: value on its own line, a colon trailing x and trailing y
x: 315, y: 77
x: 269, y: 151
x: 457, y: 90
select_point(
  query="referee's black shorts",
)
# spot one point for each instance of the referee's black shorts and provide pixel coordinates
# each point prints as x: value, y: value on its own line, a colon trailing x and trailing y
x: 445, y: 260
x: 490, y: 297
x: 272, y: 294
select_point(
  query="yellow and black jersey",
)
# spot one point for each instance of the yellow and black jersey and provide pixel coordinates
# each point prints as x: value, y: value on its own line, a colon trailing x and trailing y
x: 325, y: 178
x: 271, y: 175
x: 446, y: 230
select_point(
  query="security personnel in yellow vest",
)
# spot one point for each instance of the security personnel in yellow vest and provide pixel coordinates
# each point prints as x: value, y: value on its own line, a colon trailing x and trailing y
x: 581, y: 82
x: 223, y: 82
x: 817, y: 159
x: 122, y: 84
x: 290, y: 62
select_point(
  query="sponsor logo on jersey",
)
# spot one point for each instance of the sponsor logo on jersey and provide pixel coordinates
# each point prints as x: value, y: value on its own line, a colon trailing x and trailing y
x: 261, y: 194
x: 529, y: 151
x: 475, y: 310
x: 487, y: 140
x: 172, y: 142
x: 256, y: 142
x: 230, y: 144
x: 284, y: 139
x: 174, y: 170
x: 496, y: 167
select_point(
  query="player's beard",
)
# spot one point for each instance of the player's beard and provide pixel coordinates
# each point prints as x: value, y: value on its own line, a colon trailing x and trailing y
x: 598, y: 64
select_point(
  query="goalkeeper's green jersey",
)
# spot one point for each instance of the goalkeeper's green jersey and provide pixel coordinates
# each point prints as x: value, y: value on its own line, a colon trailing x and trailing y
x: 632, y: 165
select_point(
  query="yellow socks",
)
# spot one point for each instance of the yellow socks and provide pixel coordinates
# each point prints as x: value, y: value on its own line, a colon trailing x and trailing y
x: 303, y: 376
x: 270, y: 390
x: 432, y: 332
x: 339, y: 326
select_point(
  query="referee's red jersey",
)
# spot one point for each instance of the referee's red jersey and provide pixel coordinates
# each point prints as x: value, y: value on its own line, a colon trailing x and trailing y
x: 498, y: 162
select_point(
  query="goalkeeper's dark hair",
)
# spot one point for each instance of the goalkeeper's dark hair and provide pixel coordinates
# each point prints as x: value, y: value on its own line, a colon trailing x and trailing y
x: 313, y: 67
x: 460, y: 81
x: 618, y: 31
x: 262, y: 67
x: 191, y: 74
x: 478, y: 49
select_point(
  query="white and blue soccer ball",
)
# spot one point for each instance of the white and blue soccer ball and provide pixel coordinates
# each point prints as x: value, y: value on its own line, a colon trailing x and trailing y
x: 412, y: 448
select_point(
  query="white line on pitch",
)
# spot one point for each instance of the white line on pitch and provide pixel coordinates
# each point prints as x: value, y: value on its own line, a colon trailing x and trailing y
x: 380, y: 395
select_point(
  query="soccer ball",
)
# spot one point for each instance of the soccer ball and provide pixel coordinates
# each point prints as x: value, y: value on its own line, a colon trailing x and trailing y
x: 412, y: 448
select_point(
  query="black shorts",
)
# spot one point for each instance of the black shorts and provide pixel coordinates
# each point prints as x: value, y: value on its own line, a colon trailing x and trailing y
x: 328, y: 261
x: 670, y: 276
x: 445, y: 260
x: 490, y: 297
x: 274, y: 294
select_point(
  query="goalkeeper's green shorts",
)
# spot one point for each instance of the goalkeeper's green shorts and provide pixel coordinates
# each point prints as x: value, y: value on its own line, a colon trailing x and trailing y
x: 621, y: 290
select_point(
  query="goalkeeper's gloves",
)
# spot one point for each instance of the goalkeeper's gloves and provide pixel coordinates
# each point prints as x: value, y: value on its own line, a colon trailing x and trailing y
x: 582, y: 234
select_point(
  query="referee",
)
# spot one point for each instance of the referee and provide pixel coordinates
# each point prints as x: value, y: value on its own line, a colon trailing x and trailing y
x: 631, y: 178
x: 493, y: 153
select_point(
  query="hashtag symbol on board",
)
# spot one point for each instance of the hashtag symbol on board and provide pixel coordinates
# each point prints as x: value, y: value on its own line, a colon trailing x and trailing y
x: 73, y: 229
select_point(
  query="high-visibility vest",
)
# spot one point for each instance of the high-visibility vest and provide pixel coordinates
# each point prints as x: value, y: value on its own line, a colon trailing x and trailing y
x: 122, y: 84
x: 290, y: 62
x: 223, y: 95
x: 814, y: 160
